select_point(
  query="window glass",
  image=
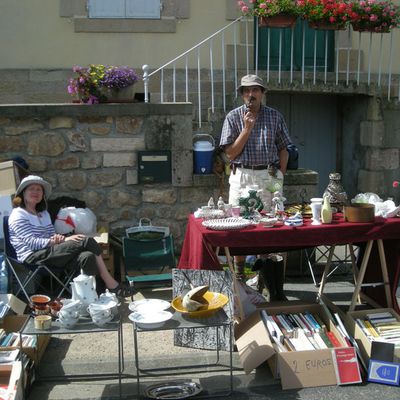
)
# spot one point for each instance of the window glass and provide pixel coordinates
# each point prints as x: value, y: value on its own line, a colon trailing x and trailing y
x: 124, y: 9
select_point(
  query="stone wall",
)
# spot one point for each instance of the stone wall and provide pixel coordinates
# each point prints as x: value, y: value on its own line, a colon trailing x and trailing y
x: 371, y: 143
x: 90, y: 153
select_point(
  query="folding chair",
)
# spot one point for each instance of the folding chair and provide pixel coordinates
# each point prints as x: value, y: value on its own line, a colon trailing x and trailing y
x: 26, y: 274
x: 143, y: 257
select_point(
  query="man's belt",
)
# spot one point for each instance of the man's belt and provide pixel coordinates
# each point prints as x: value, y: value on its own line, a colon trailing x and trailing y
x: 256, y: 167
x: 272, y: 169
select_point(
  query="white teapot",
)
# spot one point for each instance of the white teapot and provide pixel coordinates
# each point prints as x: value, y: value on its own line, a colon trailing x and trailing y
x: 84, y: 289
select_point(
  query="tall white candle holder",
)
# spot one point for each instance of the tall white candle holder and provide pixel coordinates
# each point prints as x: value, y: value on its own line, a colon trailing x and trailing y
x: 316, y: 207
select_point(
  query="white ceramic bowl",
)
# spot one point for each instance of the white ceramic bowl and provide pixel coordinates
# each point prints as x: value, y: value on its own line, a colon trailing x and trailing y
x: 150, y: 320
x: 149, y: 305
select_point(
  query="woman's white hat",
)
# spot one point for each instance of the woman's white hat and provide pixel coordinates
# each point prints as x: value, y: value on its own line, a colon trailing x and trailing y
x: 33, y: 179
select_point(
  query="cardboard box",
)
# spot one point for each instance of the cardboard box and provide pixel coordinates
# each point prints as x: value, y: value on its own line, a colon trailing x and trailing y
x: 10, y: 381
x: 106, y: 251
x: 354, y: 329
x: 102, y: 240
x: 16, y: 305
x: 5, y: 210
x: 11, y: 175
x: 297, y: 369
x: 14, y: 323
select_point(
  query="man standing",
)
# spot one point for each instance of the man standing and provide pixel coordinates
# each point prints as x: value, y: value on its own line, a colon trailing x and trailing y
x: 254, y: 138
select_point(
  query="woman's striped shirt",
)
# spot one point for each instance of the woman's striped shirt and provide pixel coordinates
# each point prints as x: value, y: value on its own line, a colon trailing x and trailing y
x: 28, y: 232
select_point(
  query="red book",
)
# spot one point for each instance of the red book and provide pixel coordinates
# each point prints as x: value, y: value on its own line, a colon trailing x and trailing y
x: 334, y: 340
x: 347, y: 368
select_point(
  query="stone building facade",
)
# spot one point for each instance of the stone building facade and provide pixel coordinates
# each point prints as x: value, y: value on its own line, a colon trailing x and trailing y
x: 90, y: 153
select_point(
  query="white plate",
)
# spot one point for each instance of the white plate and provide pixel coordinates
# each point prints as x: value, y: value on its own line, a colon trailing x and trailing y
x: 149, y: 305
x: 227, y: 223
x: 150, y: 320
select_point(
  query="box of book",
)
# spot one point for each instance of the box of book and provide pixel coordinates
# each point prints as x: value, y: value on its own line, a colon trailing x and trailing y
x: 11, y: 387
x: 11, y: 174
x: 303, y: 345
x: 32, y: 345
x: 377, y: 332
x: 10, y: 304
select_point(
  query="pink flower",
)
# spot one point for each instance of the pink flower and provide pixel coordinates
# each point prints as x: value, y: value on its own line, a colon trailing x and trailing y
x: 395, y: 184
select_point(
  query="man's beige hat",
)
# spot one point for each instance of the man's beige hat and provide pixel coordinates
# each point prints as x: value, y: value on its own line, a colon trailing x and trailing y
x: 250, y: 80
x: 30, y: 180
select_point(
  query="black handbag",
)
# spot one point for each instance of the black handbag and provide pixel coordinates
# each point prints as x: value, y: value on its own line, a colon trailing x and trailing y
x: 293, y: 162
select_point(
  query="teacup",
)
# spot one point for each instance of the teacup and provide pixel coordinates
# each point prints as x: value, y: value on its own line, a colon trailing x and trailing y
x: 42, y: 322
x: 71, y: 314
x: 99, y: 312
x: 101, y: 321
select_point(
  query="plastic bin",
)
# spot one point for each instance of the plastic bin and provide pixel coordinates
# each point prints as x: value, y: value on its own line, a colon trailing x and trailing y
x: 203, y: 152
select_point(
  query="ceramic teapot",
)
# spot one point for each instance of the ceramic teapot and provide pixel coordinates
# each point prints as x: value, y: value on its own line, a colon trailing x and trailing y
x: 84, y: 289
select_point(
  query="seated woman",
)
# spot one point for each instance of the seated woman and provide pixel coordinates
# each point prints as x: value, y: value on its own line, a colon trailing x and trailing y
x: 35, y: 241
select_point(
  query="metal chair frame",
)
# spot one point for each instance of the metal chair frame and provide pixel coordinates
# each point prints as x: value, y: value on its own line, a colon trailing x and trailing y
x: 32, y: 270
x: 147, y: 256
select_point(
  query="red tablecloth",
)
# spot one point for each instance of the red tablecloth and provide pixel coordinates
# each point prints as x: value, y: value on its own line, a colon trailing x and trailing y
x: 200, y: 242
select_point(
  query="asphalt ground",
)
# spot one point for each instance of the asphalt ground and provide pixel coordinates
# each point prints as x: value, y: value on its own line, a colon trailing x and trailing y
x: 97, y: 353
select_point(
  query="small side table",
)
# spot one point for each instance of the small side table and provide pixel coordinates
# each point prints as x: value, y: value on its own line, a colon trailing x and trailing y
x: 85, y: 325
x: 178, y: 321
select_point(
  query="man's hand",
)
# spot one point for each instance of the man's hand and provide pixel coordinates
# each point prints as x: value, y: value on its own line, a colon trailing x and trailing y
x: 249, y: 120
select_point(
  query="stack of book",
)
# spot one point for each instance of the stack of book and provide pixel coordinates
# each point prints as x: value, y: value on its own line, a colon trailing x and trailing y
x: 301, y: 331
x: 381, y: 326
x: 4, y: 308
x: 12, y: 339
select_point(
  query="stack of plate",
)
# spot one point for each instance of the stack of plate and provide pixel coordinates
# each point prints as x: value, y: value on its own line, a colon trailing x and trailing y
x: 149, y: 313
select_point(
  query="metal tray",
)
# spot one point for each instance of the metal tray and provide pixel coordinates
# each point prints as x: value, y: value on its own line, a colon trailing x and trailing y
x: 173, y: 390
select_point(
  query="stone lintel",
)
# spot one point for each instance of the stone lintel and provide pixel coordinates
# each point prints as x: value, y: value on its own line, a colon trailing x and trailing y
x: 122, y: 25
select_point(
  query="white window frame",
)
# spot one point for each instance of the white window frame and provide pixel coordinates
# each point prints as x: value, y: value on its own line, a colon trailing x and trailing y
x: 135, y: 9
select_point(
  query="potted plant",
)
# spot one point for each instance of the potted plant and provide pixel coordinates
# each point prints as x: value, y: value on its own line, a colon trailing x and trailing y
x: 98, y: 83
x: 272, y: 13
x: 325, y: 14
x: 374, y: 16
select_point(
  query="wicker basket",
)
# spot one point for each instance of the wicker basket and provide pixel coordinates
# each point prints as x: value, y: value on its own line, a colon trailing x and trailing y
x: 359, y: 212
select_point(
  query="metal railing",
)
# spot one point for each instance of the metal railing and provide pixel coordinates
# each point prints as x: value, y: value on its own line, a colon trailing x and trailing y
x: 202, y: 73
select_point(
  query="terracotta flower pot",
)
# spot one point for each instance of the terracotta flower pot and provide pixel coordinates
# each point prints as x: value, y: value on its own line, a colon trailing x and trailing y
x: 278, y: 21
x: 359, y: 28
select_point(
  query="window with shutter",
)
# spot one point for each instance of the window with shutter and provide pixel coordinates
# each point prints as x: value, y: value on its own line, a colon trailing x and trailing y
x: 124, y: 9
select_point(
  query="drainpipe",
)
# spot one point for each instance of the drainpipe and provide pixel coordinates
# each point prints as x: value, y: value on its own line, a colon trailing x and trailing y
x: 145, y: 69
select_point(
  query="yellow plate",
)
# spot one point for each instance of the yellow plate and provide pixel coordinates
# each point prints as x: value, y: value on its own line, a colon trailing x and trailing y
x: 215, y: 302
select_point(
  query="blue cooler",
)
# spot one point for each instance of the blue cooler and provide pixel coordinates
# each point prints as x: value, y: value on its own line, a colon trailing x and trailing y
x: 203, y: 152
